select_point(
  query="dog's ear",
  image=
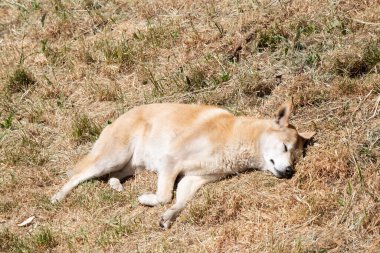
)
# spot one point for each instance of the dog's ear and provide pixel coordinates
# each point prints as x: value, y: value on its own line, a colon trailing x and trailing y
x: 307, y: 135
x: 304, y: 138
x: 283, y: 114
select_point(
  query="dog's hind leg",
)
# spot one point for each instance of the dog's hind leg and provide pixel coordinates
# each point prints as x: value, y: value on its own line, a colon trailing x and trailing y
x: 115, y: 177
x: 92, y: 167
x: 92, y: 172
x: 186, y: 190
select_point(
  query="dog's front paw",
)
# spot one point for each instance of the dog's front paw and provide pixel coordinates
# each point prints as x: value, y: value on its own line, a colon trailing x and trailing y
x: 165, y: 224
x: 148, y: 199
x: 168, y: 218
x: 115, y: 184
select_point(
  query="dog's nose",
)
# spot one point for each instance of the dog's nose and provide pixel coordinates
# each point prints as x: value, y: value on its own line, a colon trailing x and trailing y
x: 289, y: 172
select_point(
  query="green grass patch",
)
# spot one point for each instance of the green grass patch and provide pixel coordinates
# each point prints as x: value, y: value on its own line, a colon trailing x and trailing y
x: 57, y: 56
x: 161, y: 35
x: 303, y: 28
x: 271, y: 39
x: 83, y: 129
x: 120, y: 52
x: 10, y: 242
x: 45, y: 238
x: 353, y: 65
x: 7, y: 121
x: 312, y: 59
x: 20, y: 80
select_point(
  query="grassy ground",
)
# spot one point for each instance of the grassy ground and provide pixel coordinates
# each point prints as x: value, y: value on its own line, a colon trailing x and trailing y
x: 68, y: 68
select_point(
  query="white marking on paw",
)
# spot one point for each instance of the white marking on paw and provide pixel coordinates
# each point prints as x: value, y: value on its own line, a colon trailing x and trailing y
x: 148, y: 199
x: 115, y: 184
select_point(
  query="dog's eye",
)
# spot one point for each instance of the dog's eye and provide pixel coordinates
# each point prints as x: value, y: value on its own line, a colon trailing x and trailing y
x: 271, y: 160
x: 286, y: 148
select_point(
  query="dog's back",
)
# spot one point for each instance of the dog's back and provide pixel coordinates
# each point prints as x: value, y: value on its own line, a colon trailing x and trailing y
x: 149, y: 132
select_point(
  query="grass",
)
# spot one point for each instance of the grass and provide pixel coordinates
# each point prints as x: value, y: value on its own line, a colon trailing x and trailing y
x: 115, y: 229
x: 354, y: 66
x: 83, y: 129
x: 7, y: 122
x: 12, y: 243
x: 119, y: 52
x: 271, y: 39
x: 68, y: 67
x: 20, y: 80
x: 25, y: 149
x: 44, y: 238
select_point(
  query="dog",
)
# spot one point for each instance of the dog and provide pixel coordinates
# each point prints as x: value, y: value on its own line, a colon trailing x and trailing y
x: 198, y: 143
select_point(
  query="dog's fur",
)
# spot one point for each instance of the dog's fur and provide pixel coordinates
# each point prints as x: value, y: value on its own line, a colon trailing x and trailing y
x: 197, y: 142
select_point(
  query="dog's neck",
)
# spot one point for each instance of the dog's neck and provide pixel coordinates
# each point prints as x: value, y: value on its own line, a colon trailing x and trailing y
x: 243, y: 151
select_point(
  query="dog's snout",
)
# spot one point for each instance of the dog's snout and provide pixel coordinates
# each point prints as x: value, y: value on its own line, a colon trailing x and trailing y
x: 289, y: 172
x: 289, y: 169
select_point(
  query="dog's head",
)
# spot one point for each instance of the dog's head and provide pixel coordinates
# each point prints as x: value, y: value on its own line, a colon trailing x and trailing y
x: 281, y: 143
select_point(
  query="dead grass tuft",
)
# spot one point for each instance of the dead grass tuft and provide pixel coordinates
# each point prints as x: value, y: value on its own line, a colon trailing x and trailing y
x: 119, y: 52
x: 55, y: 56
x: 252, y: 84
x: 202, y: 214
x: 83, y: 129
x: 12, y: 243
x: 115, y: 229
x: 354, y: 65
x: 23, y: 149
x: 105, y: 91
x: 20, y: 80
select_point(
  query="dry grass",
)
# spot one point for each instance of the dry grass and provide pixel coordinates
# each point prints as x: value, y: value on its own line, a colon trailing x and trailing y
x: 68, y: 68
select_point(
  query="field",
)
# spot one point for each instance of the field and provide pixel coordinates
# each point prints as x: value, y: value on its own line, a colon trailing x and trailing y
x: 69, y: 68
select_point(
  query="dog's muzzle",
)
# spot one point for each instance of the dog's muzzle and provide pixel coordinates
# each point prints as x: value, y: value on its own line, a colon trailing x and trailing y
x: 288, y: 173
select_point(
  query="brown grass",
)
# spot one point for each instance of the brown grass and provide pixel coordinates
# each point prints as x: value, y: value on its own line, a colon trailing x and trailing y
x: 68, y: 68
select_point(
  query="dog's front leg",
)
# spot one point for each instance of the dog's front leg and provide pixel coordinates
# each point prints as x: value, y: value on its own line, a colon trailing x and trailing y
x: 165, y: 184
x: 186, y: 190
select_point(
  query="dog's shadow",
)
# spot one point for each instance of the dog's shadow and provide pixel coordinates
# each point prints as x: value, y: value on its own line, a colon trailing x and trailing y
x: 309, y: 142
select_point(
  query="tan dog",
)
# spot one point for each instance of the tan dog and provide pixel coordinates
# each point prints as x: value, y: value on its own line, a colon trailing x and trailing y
x: 197, y: 142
